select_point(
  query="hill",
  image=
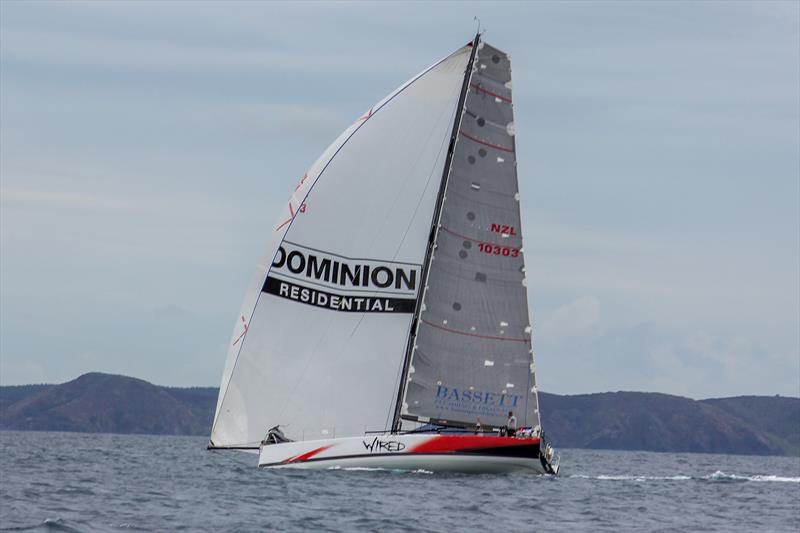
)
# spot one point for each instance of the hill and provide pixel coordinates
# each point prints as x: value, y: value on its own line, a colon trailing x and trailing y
x: 104, y: 403
x: 14, y: 393
x: 661, y: 422
x: 777, y: 416
x: 760, y: 425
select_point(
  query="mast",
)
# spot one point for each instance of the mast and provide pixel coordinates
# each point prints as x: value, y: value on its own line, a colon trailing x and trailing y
x: 437, y: 214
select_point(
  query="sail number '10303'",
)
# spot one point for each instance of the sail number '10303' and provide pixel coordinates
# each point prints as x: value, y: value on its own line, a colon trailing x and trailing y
x: 496, y: 249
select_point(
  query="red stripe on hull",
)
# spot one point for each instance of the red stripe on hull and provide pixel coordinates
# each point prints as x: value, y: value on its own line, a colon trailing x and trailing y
x: 455, y: 443
x: 307, y: 455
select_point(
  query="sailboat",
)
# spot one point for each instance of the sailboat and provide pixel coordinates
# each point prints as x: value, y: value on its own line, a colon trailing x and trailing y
x: 387, y: 325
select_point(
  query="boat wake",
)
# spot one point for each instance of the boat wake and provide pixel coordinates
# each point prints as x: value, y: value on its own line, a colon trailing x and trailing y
x: 50, y: 524
x: 631, y: 478
x: 718, y: 476
x: 722, y: 476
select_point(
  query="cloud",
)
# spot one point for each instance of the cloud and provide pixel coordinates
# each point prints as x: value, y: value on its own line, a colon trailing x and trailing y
x: 572, y: 319
x: 693, y: 363
x: 148, y: 147
x: 63, y: 49
x: 21, y: 196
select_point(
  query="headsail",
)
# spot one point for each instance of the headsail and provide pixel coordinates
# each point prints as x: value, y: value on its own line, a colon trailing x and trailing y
x: 472, y: 357
x: 322, y: 330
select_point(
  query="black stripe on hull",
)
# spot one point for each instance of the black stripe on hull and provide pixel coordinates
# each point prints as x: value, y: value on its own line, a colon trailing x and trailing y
x: 524, y: 451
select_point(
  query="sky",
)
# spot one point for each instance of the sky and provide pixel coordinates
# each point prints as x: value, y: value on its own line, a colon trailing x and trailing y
x: 146, y: 149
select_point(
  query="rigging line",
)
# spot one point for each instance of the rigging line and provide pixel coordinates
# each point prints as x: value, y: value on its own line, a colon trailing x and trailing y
x: 321, y: 172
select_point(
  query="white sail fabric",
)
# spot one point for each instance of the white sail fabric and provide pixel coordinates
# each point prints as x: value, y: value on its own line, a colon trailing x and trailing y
x: 472, y: 359
x: 323, y: 327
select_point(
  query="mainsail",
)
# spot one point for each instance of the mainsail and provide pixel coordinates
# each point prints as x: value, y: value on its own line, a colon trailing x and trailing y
x: 321, y: 336
x: 471, y: 358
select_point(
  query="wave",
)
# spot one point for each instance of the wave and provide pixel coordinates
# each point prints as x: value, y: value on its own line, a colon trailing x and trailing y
x: 716, y: 476
x: 68, y: 526
x: 357, y: 468
x: 48, y: 524
x: 719, y: 475
x: 633, y: 478
x: 645, y: 478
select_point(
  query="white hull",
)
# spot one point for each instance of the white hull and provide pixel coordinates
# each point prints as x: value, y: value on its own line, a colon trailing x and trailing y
x: 429, y: 452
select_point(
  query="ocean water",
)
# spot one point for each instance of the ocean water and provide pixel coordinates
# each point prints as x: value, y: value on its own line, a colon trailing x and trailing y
x: 83, y: 482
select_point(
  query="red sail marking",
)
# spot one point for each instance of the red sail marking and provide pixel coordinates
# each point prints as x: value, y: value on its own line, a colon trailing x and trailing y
x: 291, y: 210
x: 455, y: 443
x: 307, y: 455
x: 292, y: 214
x: 368, y: 115
x: 468, y: 334
x: 243, y: 333
x: 478, y: 88
x: 302, y: 181
x: 490, y: 145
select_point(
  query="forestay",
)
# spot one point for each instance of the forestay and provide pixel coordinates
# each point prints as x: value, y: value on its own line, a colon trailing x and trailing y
x: 322, y: 331
x: 472, y: 359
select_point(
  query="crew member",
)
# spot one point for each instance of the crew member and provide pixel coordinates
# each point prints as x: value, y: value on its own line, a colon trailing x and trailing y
x: 511, y: 424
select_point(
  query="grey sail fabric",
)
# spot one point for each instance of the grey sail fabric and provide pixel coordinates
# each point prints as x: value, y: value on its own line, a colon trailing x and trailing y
x: 472, y: 358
